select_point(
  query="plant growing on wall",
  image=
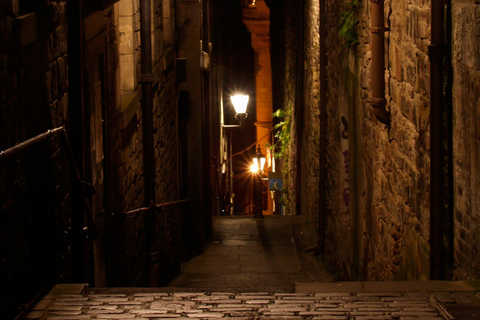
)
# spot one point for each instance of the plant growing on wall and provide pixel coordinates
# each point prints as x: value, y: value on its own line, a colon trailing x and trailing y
x: 282, y: 134
x: 348, y: 23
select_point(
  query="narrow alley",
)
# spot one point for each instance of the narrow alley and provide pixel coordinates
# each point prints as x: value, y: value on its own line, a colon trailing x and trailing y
x: 250, y: 159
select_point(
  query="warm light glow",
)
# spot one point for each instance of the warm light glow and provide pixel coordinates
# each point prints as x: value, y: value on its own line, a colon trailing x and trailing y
x: 240, y: 102
x: 262, y: 163
x: 254, y: 168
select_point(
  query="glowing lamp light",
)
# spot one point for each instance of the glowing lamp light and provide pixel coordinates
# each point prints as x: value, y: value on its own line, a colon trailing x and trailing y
x: 240, y: 102
x: 258, y: 160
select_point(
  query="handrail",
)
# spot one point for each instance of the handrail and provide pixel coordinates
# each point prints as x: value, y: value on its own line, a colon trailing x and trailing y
x: 83, y: 187
x: 30, y: 142
x: 147, y: 209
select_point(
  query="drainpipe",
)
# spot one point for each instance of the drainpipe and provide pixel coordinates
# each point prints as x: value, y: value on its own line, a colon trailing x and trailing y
x: 377, y: 30
x: 436, y: 53
x: 323, y: 127
x: 146, y: 79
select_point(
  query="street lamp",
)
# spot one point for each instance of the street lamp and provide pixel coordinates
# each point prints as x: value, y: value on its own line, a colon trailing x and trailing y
x: 258, y: 161
x: 257, y: 168
x: 240, y: 102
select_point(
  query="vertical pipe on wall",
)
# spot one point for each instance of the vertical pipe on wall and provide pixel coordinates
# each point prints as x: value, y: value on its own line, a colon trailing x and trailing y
x: 323, y: 128
x: 147, y: 126
x: 436, y: 54
x: 377, y: 30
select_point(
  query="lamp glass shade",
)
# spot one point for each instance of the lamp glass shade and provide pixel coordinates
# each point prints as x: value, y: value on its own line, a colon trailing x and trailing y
x: 259, y: 159
x: 240, y: 102
x: 262, y: 163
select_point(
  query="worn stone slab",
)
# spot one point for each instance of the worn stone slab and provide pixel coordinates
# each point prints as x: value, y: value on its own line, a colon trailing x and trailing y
x: 80, y: 317
x: 42, y: 304
x: 35, y: 315
x: 205, y: 315
x: 116, y: 316
x: 65, y: 313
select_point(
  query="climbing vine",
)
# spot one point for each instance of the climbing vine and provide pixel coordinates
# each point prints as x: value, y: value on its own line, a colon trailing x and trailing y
x: 348, y: 23
x: 282, y: 133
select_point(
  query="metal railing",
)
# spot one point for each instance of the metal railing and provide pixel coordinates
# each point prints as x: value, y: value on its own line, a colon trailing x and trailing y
x: 83, y: 188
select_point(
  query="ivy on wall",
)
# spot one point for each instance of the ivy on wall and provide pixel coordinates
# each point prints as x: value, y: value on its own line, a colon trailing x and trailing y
x: 282, y: 134
x: 348, y: 23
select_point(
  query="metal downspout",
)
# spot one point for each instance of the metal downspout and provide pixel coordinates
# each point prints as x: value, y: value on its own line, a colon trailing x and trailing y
x: 436, y: 53
x: 377, y: 30
x: 323, y: 127
x: 147, y: 127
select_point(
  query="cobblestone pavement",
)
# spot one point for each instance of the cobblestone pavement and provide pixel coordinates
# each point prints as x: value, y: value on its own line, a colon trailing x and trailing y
x: 281, y: 306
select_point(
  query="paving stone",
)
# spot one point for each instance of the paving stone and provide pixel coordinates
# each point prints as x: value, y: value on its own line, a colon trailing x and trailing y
x: 42, y: 304
x: 111, y: 311
x: 280, y: 318
x: 329, y: 317
x: 80, y: 303
x: 150, y: 294
x: 129, y: 302
x: 332, y: 294
x: 231, y: 309
x: 414, y: 314
x: 81, y: 317
x: 111, y: 299
x: 229, y: 301
x: 309, y: 299
x: 243, y: 314
x: 65, y: 313
x: 379, y: 294
x: 66, y: 307
x: 322, y: 313
x: 205, y: 315
x: 255, y: 297
x: 290, y: 309
x: 147, y: 311
x: 257, y: 301
x: 373, y: 317
x: 116, y: 316
x: 144, y: 299
x: 162, y: 316
x: 326, y: 305
x: 211, y: 298
x: 278, y: 313
x: 35, y: 315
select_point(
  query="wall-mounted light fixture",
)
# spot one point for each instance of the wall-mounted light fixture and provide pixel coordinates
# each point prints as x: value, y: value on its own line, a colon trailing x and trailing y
x: 240, y: 102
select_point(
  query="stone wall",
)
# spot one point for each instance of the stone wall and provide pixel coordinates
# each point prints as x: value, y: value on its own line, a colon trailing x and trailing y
x: 131, y: 236
x: 34, y: 182
x: 378, y: 175
x: 466, y: 134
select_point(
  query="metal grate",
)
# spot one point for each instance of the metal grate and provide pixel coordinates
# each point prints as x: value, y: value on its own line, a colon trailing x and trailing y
x: 461, y: 311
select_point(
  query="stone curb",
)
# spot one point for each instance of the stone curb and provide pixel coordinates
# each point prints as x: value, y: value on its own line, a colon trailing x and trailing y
x: 388, y: 286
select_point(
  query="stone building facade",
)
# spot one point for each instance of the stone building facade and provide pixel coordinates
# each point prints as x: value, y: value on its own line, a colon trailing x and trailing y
x: 373, y: 219
x: 88, y: 82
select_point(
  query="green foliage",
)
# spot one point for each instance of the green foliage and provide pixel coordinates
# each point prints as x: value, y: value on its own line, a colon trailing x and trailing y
x: 348, y: 23
x: 282, y: 133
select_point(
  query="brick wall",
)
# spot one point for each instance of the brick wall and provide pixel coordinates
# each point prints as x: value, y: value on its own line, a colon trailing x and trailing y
x: 34, y: 183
